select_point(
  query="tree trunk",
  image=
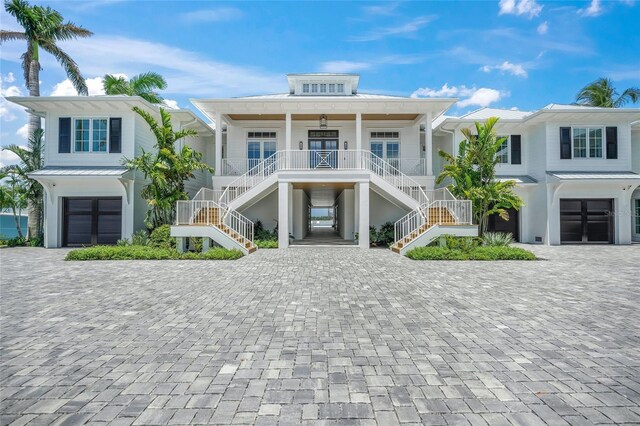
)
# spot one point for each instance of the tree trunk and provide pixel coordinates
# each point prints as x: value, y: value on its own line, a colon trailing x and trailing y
x: 17, y: 218
x: 34, y: 90
x: 35, y: 226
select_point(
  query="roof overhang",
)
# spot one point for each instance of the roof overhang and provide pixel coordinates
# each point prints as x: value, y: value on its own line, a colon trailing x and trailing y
x: 614, y: 177
x: 81, y: 172
x: 522, y: 180
x: 314, y: 107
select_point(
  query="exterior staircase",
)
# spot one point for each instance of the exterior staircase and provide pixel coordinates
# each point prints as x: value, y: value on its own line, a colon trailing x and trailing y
x: 214, y: 210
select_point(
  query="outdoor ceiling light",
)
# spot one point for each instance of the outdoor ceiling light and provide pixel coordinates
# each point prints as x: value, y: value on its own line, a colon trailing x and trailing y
x: 323, y: 121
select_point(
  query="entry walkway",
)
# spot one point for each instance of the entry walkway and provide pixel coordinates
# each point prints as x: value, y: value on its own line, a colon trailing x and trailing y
x: 323, y: 237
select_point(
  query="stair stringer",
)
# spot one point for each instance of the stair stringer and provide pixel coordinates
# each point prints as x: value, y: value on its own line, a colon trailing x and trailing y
x: 428, y: 236
x: 210, y: 231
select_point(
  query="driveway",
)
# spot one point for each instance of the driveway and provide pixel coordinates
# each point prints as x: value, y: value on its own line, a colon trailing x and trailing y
x: 322, y: 335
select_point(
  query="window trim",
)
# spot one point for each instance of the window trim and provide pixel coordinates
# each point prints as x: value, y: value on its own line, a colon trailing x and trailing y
x: 261, y: 141
x: 91, y: 119
x: 384, y: 141
x: 508, y: 141
x: 603, y: 146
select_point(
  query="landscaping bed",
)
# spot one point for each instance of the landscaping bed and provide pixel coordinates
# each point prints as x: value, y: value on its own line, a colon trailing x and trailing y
x: 149, y: 253
x: 490, y: 247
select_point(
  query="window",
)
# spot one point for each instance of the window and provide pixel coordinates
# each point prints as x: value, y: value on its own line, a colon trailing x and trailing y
x: 305, y: 88
x: 260, y: 146
x: 340, y: 87
x: 314, y: 88
x: 91, y: 135
x: 386, y: 145
x: 503, y: 153
x: 637, y: 216
x: 323, y: 88
x: 332, y: 88
x: 587, y: 142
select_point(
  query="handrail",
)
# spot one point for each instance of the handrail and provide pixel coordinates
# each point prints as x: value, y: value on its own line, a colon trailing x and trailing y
x: 197, y: 212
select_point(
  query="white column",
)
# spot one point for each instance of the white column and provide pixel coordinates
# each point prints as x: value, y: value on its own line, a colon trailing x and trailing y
x: 363, y: 210
x: 359, y: 133
x: 218, y: 144
x: 283, y: 215
x: 287, y: 132
x: 428, y: 142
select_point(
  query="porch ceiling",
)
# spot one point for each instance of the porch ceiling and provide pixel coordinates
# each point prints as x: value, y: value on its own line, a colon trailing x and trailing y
x: 322, y: 194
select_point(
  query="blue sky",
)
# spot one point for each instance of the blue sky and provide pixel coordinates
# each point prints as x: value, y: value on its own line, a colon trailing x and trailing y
x: 506, y: 53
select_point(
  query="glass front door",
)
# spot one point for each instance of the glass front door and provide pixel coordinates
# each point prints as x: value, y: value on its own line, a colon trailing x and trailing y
x: 323, y: 153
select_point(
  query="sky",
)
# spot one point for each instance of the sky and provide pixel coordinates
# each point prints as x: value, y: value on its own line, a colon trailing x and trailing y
x: 520, y: 54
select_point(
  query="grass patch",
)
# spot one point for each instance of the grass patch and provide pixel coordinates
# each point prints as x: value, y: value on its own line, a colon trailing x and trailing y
x: 475, y: 253
x: 266, y: 244
x: 148, y: 253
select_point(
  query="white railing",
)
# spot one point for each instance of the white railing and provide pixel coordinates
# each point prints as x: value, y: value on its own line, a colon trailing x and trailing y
x: 197, y: 212
x: 305, y: 159
x: 445, y: 210
x: 206, y: 194
x: 323, y: 160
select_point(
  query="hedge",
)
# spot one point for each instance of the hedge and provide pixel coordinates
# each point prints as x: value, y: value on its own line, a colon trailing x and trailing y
x: 148, y: 253
x: 477, y: 253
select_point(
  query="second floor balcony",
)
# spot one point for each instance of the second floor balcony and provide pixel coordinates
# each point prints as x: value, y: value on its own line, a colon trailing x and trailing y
x: 324, y: 160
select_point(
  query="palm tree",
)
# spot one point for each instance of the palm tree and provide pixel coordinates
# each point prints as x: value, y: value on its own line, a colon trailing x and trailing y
x: 473, y: 175
x: 167, y: 169
x: 142, y: 85
x: 31, y: 159
x: 43, y: 28
x: 13, y: 196
x: 601, y: 93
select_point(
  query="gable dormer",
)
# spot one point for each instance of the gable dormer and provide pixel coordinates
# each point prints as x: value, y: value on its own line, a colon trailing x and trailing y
x: 323, y: 84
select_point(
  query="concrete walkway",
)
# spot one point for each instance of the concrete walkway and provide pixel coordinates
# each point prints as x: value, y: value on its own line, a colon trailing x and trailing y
x: 321, y: 335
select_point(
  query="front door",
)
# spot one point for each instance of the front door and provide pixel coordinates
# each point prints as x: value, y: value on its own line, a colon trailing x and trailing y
x: 586, y: 221
x: 323, y: 149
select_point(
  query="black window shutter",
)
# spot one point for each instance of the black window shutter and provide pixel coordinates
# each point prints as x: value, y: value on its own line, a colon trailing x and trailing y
x: 64, y: 135
x: 565, y: 143
x: 612, y: 142
x: 115, y: 135
x: 516, y: 149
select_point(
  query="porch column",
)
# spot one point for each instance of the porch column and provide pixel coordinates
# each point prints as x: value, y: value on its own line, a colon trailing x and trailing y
x: 428, y: 142
x: 287, y: 139
x: 363, y: 211
x: 359, y: 135
x: 218, y: 145
x: 283, y: 215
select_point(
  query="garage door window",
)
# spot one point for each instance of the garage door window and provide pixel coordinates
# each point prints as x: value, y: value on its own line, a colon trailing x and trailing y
x: 90, y: 221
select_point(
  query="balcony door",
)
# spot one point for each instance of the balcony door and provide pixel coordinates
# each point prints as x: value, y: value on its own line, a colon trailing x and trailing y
x: 323, y: 149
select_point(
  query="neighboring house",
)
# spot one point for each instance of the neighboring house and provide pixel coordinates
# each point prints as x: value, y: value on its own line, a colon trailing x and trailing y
x: 90, y: 198
x: 369, y: 158
x: 8, y: 224
x: 576, y: 169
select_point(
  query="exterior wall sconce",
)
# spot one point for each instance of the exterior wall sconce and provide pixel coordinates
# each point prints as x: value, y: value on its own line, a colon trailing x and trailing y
x: 346, y: 145
x: 323, y: 121
x: 300, y: 145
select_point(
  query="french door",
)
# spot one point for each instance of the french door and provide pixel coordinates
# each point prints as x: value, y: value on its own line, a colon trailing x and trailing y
x: 323, y: 149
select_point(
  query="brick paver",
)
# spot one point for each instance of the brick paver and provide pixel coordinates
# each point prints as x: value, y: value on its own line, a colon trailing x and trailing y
x: 322, y: 335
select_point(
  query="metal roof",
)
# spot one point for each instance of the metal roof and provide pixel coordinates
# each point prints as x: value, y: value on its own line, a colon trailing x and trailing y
x: 522, y: 179
x: 290, y: 96
x: 79, y: 171
x: 505, y: 114
x: 595, y: 175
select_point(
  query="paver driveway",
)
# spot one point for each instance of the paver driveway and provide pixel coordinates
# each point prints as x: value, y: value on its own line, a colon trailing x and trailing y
x: 331, y: 335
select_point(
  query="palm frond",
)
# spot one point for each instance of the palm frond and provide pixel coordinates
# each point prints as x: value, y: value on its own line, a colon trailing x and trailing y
x: 11, y: 35
x: 147, y: 82
x: 116, y: 85
x: 69, y: 31
x: 70, y: 67
x: 631, y: 94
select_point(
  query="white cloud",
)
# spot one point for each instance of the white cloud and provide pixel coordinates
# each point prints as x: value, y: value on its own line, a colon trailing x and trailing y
x: 344, y: 66
x: 543, y: 28
x: 8, y: 158
x: 170, y: 103
x: 529, y: 8
x: 213, y: 15
x: 482, y: 97
x: 387, y: 9
x: 187, y: 73
x: 594, y: 9
x: 65, y: 87
x: 10, y: 78
x: 8, y: 110
x: 507, y: 67
x: 405, y: 29
x: 472, y: 96
x: 23, y: 131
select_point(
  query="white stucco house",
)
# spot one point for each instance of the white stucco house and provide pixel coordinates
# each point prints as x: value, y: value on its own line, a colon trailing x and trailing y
x: 367, y: 159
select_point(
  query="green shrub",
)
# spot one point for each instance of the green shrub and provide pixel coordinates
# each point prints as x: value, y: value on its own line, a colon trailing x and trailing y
x: 501, y: 253
x: 373, y: 235
x: 16, y: 241
x: 477, y: 253
x: 196, y: 243
x: 264, y: 234
x: 465, y: 244
x: 161, y: 238
x: 140, y: 238
x: 435, y: 253
x: 131, y: 252
x: 497, y: 239
x: 36, y: 242
x: 266, y: 244
x: 386, y: 234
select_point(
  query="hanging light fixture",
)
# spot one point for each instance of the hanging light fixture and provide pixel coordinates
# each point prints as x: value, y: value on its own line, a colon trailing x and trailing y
x: 323, y: 121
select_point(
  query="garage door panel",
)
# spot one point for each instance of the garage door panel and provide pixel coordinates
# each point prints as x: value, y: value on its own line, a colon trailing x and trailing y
x: 109, y: 227
x: 92, y: 220
x: 571, y: 229
x: 586, y: 221
x: 79, y: 229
